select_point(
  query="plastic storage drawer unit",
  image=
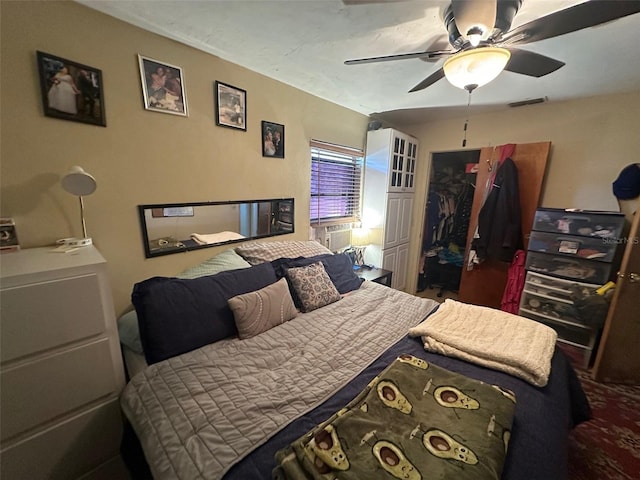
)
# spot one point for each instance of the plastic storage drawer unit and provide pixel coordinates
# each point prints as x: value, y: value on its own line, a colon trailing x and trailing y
x: 590, y: 248
x: 587, y: 223
x: 579, y: 336
x: 588, y: 271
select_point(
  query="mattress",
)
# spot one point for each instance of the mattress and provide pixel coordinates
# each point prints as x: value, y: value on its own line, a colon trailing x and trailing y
x: 223, y: 410
x: 199, y: 413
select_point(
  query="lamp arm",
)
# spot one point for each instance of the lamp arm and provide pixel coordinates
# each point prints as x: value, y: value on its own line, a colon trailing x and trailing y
x: 84, y: 227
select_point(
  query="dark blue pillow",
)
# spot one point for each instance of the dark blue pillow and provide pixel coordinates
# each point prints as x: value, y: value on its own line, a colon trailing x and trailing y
x: 339, y: 268
x: 179, y: 315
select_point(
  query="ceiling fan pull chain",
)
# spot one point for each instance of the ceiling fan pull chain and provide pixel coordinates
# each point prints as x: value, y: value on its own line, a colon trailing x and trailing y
x: 464, y: 140
x: 470, y: 89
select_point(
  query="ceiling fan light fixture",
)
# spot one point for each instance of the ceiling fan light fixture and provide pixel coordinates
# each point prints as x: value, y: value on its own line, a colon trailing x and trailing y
x: 476, y: 67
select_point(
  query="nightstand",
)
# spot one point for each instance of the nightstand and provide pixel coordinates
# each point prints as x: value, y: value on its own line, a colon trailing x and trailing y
x: 377, y: 275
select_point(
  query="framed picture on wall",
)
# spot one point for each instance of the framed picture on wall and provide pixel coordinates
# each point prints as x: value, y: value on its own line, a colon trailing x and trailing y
x: 272, y: 139
x: 231, y: 106
x: 162, y: 87
x: 8, y: 236
x: 71, y: 90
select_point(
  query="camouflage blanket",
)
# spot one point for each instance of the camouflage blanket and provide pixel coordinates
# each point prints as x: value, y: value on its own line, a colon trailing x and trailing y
x: 413, y: 421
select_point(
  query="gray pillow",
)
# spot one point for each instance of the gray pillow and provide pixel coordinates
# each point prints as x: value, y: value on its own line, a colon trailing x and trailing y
x: 312, y: 286
x: 257, y: 312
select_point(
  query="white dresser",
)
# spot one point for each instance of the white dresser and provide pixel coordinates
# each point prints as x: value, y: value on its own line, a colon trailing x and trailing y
x: 388, y: 191
x: 61, y: 368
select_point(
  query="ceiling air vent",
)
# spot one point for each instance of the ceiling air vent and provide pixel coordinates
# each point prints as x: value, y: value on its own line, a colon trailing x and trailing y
x: 533, y: 101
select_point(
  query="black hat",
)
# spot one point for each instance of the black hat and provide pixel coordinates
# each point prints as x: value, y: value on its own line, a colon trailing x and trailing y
x: 627, y: 185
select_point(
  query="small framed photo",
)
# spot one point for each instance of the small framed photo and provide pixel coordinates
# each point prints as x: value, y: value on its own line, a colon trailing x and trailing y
x: 162, y: 87
x: 70, y: 90
x: 8, y: 236
x: 272, y: 139
x: 231, y: 106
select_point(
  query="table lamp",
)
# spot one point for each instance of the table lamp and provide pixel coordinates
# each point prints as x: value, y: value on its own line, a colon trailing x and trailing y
x: 80, y: 183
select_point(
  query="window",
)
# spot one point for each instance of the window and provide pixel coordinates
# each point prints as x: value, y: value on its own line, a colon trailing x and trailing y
x: 335, y: 183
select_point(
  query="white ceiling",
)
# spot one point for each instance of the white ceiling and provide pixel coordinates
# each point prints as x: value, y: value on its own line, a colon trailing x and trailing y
x: 304, y: 43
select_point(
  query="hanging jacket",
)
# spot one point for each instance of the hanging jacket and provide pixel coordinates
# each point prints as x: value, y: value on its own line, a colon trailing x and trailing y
x: 499, y: 227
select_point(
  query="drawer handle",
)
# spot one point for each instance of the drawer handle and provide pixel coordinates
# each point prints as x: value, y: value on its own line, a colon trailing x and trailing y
x: 633, y: 277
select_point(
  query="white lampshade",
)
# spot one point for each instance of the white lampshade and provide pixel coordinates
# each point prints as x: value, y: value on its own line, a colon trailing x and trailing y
x: 475, y: 68
x: 78, y: 182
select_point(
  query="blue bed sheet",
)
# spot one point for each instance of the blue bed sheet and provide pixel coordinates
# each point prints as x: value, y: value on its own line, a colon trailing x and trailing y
x: 543, y: 416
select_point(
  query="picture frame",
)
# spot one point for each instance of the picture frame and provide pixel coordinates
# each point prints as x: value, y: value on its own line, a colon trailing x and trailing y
x: 70, y: 90
x: 272, y: 139
x: 163, y: 87
x: 231, y: 106
x: 172, y: 212
x: 8, y: 236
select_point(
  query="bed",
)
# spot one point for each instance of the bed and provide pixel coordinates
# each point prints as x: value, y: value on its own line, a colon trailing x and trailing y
x: 222, y: 399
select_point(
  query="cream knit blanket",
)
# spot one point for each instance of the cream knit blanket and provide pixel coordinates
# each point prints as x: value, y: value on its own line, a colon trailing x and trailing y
x: 208, y: 238
x: 491, y: 338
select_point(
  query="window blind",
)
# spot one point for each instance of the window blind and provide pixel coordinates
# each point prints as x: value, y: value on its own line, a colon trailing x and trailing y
x: 336, y: 173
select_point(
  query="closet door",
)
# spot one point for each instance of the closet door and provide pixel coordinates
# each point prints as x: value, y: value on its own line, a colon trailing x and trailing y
x: 485, y: 284
x: 393, y: 221
x: 400, y: 275
x: 405, y: 209
x: 398, y: 219
x: 397, y: 162
x: 618, y: 358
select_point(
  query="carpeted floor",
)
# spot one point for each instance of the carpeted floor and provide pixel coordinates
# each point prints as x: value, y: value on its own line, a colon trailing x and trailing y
x: 607, y: 446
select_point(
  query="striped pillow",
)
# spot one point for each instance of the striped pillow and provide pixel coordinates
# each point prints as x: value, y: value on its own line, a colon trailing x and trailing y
x: 260, y: 252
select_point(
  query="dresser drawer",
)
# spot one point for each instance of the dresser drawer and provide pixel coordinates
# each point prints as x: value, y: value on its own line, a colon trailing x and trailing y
x: 69, y: 449
x: 39, y: 391
x: 586, y: 223
x: 590, y: 248
x: 544, y: 304
x: 42, y: 315
x: 556, y: 288
x: 587, y: 271
x: 578, y: 336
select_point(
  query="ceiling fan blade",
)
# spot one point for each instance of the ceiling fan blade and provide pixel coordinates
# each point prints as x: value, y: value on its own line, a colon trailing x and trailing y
x: 474, y: 13
x: 531, y: 64
x: 572, y: 19
x: 401, y: 56
x: 430, y: 80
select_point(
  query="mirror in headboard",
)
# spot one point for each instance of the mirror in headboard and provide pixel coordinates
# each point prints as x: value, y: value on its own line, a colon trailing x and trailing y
x: 179, y: 227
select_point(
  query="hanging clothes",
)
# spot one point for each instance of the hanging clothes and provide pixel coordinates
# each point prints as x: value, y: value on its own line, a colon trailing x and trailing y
x: 515, y: 283
x: 499, y: 232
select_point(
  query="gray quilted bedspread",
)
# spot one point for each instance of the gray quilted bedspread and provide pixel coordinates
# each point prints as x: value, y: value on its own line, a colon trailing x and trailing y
x: 199, y: 413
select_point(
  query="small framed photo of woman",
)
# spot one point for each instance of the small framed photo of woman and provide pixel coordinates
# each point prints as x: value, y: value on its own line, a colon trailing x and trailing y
x: 70, y: 90
x: 272, y: 139
x: 162, y: 87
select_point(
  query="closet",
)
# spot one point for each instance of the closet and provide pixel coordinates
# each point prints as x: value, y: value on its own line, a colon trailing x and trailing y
x: 447, y: 216
x: 482, y: 284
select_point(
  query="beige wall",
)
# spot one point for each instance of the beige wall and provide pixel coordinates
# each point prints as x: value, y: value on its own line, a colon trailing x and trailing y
x: 148, y: 157
x: 591, y: 141
x: 142, y: 156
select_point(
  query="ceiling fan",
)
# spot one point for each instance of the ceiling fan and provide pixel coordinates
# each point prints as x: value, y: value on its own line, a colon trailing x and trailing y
x: 483, y: 44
